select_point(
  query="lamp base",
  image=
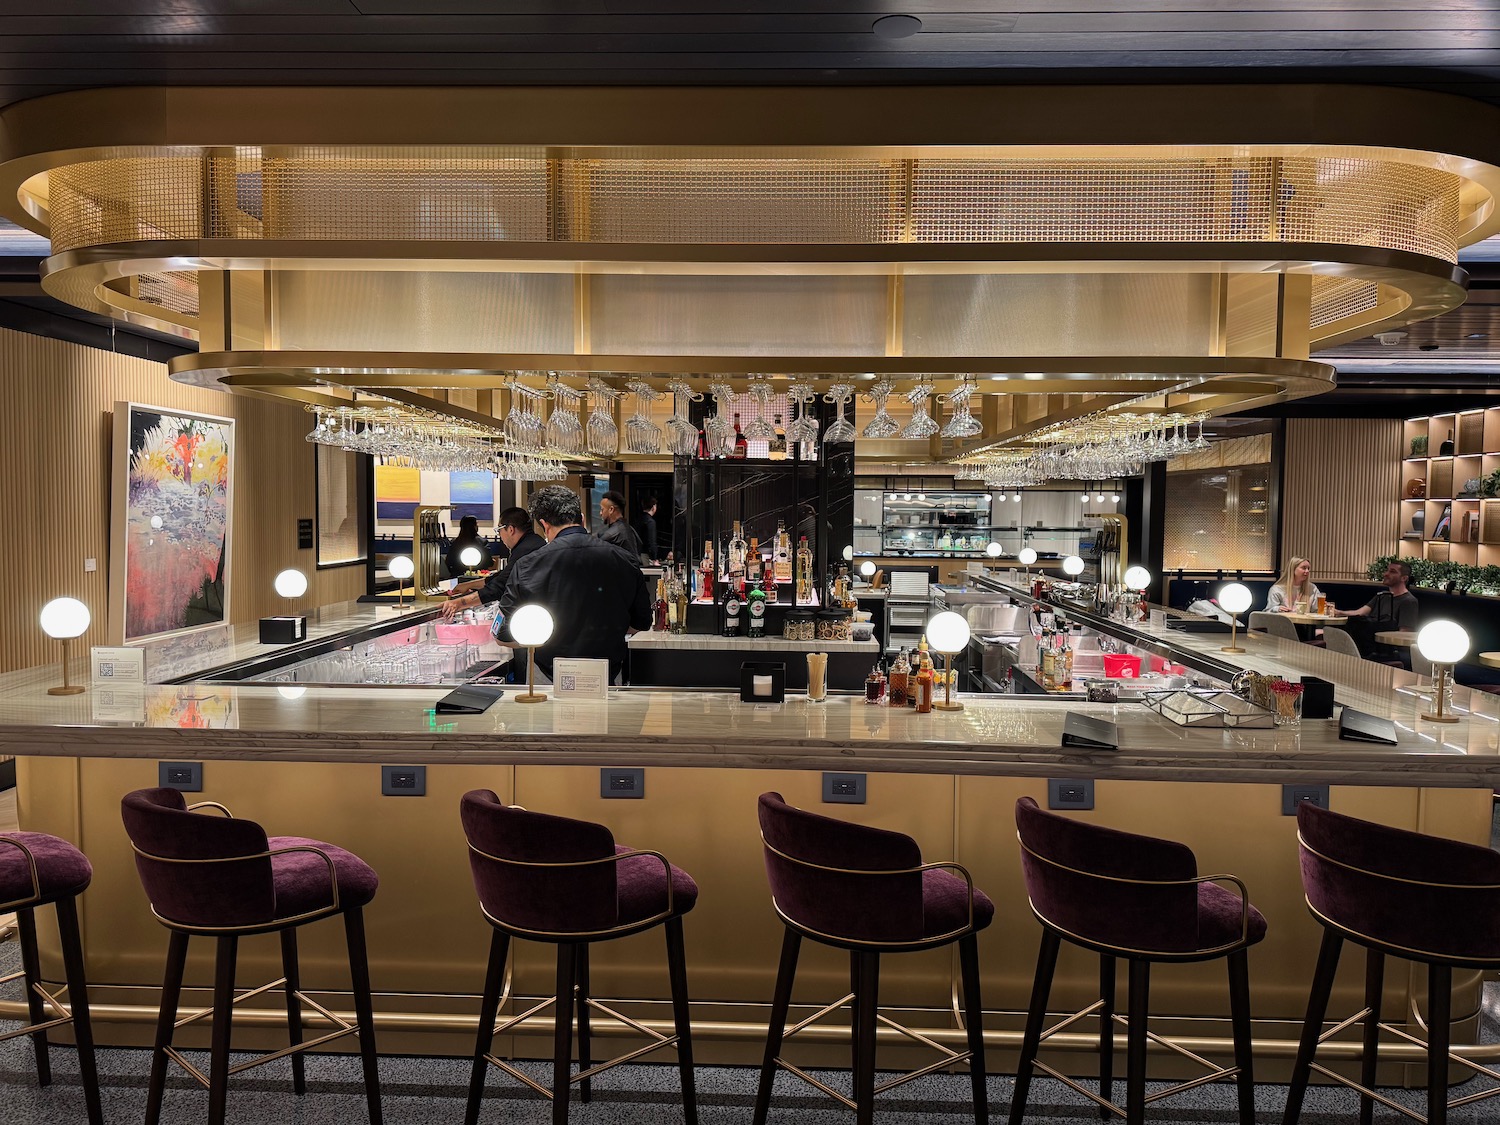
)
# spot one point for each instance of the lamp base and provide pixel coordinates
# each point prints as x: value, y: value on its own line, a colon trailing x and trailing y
x: 1433, y: 717
x: 1231, y: 648
x: 940, y: 706
x: 531, y: 697
x: 69, y: 689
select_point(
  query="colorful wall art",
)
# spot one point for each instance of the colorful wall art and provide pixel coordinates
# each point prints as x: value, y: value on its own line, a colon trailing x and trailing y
x: 398, y: 491
x: 169, y: 564
x: 472, y: 494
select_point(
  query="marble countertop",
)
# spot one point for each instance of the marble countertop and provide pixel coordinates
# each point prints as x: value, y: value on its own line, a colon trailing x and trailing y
x: 705, y: 642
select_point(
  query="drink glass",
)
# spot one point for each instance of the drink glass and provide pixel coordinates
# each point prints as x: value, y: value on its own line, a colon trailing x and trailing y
x: 1300, y: 606
x: 1322, y: 604
x: 817, y: 677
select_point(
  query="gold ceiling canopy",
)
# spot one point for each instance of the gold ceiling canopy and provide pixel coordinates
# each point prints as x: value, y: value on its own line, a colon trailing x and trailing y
x: 1088, y: 245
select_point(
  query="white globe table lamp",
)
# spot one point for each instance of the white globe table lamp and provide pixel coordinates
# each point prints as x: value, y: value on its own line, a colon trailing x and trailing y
x: 1234, y: 599
x: 994, y: 550
x: 470, y: 557
x: 1026, y: 556
x: 1072, y: 566
x: 63, y: 619
x: 1444, y: 643
x: 948, y: 633
x: 1137, y: 578
x: 401, y: 568
x: 531, y: 625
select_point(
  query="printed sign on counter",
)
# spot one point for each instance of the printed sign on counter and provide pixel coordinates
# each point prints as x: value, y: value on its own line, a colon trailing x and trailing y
x: 117, y: 665
x: 580, y: 679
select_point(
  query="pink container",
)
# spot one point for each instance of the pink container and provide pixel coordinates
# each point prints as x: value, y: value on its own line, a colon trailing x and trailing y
x: 1121, y: 666
x: 398, y: 638
x: 452, y: 633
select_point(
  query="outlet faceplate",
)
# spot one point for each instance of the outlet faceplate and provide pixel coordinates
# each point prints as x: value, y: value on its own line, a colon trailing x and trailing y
x: 185, y: 776
x: 1067, y: 793
x: 622, y: 783
x: 403, y: 781
x: 844, y: 788
x: 1294, y: 795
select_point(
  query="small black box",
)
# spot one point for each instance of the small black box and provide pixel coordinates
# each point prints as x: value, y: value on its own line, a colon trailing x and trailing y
x: 774, y: 671
x: 282, y: 630
x: 1317, y: 698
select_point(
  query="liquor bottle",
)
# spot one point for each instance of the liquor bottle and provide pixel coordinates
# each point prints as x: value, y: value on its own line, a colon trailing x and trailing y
x: 735, y: 566
x: 706, y: 572
x: 804, y: 572
x: 680, y: 597
x: 924, y: 687
x: 732, y: 604
x: 1065, y: 664
x: 659, y: 615
x: 771, y: 587
x: 781, y: 553
x: 741, y: 446
x: 702, y: 445
x: 777, y: 451
x: 757, y: 605
x: 1446, y: 448
x: 896, y: 684
x: 752, y: 559
x: 1049, y: 663
x: 915, y: 666
x: 875, y: 684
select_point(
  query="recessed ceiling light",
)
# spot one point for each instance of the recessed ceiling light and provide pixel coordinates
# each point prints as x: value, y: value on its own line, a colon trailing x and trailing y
x: 896, y: 27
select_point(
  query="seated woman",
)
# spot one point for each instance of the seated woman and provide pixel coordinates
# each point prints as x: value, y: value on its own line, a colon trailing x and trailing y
x: 1294, y: 585
x: 468, y: 536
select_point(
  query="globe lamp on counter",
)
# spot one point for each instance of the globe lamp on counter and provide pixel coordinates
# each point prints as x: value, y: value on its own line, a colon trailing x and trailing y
x: 1234, y: 599
x: 1137, y: 580
x: 291, y: 584
x: 1444, y: 643
x: 63, y: 619
x: 994, y: 550
x: 1026, y: 556
x: 401, y: 569
x: 948, y: 633
x: 470, y: 557
x: 531, y: 625
x: 1072, y: 566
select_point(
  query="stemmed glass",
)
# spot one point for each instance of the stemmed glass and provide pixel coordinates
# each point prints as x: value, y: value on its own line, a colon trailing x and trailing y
x: 603, y: 434
x: 760, y: 428
x: 803, y: 430
x: 641, y: 434
x: 718, y: 431
x: 564, y: 430
x: 842, y: 430
x: 882, y: 425
x: 921, y: 424
x: 962, y: 423
x: 683, y: 435
x: 524, y: 427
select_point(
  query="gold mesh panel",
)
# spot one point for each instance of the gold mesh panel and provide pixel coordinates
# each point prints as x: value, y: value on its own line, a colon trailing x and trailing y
x: 176, y: 291
x: 1440, y: 480
x: 1334, y: 298
x: 1471, y: 432
x: 445, y: 195
x: 1217, y: 518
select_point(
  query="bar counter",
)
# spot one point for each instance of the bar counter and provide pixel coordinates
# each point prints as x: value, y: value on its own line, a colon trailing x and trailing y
x: 303, y: 760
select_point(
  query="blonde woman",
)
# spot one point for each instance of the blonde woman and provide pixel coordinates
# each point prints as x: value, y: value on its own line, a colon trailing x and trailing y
x: 1294, y: 585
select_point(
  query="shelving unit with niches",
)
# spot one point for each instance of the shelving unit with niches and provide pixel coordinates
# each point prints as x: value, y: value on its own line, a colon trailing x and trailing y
x: 1438, y: 478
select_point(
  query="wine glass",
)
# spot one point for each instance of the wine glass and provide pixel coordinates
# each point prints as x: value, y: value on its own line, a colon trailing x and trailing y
x: 882, y: 425
x: 921, y: 425
x: 841, y: 430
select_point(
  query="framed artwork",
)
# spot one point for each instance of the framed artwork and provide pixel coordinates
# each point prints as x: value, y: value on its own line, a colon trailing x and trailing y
x: 472, y: 494
x: 172, y: 499
x: 398, y: 492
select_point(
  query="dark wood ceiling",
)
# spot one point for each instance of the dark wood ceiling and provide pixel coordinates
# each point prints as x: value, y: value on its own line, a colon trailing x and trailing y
x: 48, y: 46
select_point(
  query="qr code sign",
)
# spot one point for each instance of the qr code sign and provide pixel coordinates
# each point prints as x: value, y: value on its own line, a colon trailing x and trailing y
x: 567, y: 683
x: 106, y: 669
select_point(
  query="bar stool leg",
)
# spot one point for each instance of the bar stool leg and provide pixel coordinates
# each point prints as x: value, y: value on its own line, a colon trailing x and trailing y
x: 364, y: 1010
x: 1312, y: 1026
x: 1106, y: 1032
x: 1439, y: 1033
x: 1041, y: 989
x: 968, y: 962
x: 78, y: 1001
x: 1135, y: 1042
x: 868, y: 1001
x: 791, y: 943
x: 223, y: 1017
x: 682, y: 1017
x: 562, y: 1044
x: 581, y: 973
x: 1239, y: 1018
x: 1374, y: 985
x: 293, y: 1006
x: 489, y: 1008
x: 36, y: 1010
x: 166, y: 1023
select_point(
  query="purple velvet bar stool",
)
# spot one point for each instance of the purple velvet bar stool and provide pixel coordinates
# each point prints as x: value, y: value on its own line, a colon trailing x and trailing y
x: 567, y: 883
x: 35, y: 870
x: 216, y: 876
x: 867, y: 891
x: 1118, y: 894
x: 1417, y: 897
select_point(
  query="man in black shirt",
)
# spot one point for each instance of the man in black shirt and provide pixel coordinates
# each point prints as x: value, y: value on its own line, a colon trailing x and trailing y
x: 594, y: 590
x: 613, y: 528
x: 520, y: 541
x: 1393, y: 609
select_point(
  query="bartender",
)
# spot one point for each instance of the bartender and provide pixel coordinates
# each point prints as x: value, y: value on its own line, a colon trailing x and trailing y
x: 594, y: 590
x: 520, y: 541
x: 613, y: 527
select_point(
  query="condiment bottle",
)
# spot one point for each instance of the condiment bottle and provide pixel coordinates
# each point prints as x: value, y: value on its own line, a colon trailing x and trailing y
x: 874, y: 685
x: 924, y: 687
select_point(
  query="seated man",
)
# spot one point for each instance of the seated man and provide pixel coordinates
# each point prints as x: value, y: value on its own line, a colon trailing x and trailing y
x: 1393, y: 609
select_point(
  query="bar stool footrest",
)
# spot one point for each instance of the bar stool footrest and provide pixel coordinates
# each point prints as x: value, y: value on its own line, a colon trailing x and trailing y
x: 64, y: 1013
x: 1402, y: 1033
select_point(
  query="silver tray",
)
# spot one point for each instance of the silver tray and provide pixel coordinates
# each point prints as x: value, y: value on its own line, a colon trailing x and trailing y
x: 1208, y: 709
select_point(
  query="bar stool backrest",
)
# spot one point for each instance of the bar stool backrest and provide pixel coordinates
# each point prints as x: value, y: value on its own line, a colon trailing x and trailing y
x: 1110, y: 888
x: 199, y: 869
x: 540, y: 873
x: 1429, y: 897
x: 845, y: 881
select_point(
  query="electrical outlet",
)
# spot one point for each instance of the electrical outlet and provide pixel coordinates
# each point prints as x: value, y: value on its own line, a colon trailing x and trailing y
x: 1067, y: 793
x: 617, y: 783
x: 90, y: 565
x: 186, y: 776
x: 1294, y: 795
x: 844, y: 788
x: 403, y: 781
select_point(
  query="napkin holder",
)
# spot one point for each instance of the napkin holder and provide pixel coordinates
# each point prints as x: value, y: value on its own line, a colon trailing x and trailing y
x: 762, y: 681
x: 282, y: 630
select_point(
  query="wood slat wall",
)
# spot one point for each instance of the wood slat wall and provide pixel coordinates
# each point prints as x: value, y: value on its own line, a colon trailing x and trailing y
x: 58, y: 399
x: 1339, y: 495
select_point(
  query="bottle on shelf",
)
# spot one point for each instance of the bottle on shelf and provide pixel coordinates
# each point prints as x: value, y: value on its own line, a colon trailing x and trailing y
x: 757, y: 611
x: 752, y: 559
x: 741, y: 446
x: 804, y: 572
x: 896, y: 683
x: 781, y: 553
x: 772, y: 590
x: 706, y: 572
x: 735, y: 565
x: 659, y: 614
x: 914, y: 666
x: 1065, y: 664
x: 875, y: 684
x: 777, y: 444
x: 1446, y: 448
x: 924, y: 686
x: 1049, y: 661
x: 732, y: 606
x: 679, y: 599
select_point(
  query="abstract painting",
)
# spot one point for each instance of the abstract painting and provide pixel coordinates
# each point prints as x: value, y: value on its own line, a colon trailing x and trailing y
x: 472, y: 494
x: 170, y: 559
x: 398, y: 491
